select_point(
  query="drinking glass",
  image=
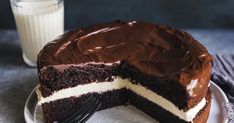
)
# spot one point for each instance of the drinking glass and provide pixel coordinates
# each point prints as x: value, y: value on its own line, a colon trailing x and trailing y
x: 38, y: 22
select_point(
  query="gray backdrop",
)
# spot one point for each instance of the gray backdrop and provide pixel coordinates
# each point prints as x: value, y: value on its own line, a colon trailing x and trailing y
x: 177, y: 13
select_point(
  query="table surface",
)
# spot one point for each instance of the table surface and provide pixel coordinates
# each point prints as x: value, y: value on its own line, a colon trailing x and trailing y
x: 17, y: 80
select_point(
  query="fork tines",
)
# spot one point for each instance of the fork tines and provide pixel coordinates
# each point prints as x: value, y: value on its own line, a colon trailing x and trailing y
x: 82, y: 114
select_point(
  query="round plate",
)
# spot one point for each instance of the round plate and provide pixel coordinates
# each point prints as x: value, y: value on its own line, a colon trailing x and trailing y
x: 218, y: 114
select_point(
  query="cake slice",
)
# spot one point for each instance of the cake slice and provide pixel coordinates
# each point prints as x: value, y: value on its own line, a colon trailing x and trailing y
x: 160, y: 70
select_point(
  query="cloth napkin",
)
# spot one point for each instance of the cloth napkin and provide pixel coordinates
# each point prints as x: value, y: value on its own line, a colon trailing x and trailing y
x: 223, y: 76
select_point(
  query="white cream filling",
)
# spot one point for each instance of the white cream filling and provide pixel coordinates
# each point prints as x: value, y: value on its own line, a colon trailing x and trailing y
x: 119, y: 83
x: 191, y: 86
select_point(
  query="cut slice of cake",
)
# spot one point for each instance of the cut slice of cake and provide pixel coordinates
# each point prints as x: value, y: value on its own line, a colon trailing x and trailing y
x: 160, y: 70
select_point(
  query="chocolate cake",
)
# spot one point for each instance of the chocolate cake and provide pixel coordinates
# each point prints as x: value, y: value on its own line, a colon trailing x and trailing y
x: 162, y: 71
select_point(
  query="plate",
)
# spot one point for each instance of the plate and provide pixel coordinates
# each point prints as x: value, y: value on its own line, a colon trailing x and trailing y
x: 130, y: 114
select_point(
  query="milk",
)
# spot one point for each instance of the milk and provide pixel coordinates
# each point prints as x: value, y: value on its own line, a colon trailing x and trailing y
x: 37, y: 23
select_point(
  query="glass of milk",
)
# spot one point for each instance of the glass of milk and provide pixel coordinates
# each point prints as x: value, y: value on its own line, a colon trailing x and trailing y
x: 38, y: 22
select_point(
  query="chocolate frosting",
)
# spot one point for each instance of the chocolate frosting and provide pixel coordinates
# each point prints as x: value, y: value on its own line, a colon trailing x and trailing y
x: 156, y: 50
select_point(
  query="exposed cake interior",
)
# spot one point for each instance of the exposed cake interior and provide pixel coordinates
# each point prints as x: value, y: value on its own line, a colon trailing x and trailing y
x: 118, y: 84
x: 114, y: 83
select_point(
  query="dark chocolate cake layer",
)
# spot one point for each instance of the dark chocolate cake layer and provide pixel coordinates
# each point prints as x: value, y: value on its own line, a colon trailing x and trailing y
x: 164, y: 116
x: 54, y: 78
x: 58, y: 110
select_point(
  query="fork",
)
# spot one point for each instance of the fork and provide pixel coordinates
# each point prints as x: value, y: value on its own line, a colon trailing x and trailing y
x: 82, y: 114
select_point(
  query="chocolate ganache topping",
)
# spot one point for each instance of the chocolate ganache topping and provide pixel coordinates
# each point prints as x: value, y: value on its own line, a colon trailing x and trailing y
x: 156, y: 50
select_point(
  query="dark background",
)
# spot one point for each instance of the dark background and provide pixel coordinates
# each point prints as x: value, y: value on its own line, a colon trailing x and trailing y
x: 202, y: 18
x: 176, y: 13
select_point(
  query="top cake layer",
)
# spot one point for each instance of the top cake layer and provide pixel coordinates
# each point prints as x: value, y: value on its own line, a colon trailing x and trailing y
x: 155, y: 50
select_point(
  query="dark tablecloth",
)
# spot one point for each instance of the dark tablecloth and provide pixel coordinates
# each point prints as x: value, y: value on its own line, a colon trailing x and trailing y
x: 223, y: 76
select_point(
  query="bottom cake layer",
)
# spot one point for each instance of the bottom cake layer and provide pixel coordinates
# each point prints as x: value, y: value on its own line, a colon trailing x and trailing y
x: 162, y: 115
x: 59, y: 109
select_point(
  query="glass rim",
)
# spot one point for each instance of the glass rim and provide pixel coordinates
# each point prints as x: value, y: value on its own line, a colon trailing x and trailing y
x: 14, y: 2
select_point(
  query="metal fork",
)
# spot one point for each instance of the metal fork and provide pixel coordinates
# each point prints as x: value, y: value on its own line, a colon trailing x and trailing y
x: 82, y: 114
